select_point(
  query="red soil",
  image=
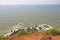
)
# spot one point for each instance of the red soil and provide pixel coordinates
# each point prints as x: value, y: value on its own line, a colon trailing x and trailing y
x: 33, y: 36
x: 56, y: 37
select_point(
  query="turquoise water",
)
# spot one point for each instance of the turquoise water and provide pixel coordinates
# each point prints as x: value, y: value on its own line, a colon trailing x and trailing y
x: 11, y: 15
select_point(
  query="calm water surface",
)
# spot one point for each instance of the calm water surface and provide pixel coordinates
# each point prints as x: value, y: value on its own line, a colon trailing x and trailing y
x: 11, y: 15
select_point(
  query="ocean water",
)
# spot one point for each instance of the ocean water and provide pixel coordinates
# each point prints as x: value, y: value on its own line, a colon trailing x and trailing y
x: 11, y: 15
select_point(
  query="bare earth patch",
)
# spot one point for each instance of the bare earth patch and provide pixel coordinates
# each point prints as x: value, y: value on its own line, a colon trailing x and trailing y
x: 33, y: 36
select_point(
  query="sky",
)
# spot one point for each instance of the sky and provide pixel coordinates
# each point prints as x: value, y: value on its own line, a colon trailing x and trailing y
x: 13, y: 2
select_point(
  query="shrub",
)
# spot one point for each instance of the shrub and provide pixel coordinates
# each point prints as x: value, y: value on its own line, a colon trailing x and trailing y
x: 22, y: 32
x: 53, y: 31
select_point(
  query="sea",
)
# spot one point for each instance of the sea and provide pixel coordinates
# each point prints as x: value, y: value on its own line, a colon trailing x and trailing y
x: 11, y: 15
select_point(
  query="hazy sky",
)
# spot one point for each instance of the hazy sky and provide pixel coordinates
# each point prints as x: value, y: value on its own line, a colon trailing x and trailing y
x: 7, y: 2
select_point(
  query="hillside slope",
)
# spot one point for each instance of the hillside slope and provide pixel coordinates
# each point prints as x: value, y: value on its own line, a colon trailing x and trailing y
x: 33, y: 36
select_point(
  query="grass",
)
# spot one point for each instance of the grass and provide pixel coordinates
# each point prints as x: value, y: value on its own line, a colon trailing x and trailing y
x: 22, y: 33
x: 53, y: 31
x: 3, y: 38
x: 49, y: 33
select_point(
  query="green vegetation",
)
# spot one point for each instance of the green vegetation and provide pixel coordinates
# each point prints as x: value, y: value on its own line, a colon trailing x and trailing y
x: 21, y: 33
x: 49, y: 33
x: 3, y: 38
x: 53, y: 31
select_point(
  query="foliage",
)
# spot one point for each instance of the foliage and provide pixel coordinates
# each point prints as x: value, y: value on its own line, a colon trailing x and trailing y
x: 53, y: 31
x: 22, y: 32
x: 3, y: 38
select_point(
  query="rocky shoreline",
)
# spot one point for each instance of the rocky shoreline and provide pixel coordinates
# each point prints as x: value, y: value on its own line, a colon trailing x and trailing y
x: 37, y: 28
